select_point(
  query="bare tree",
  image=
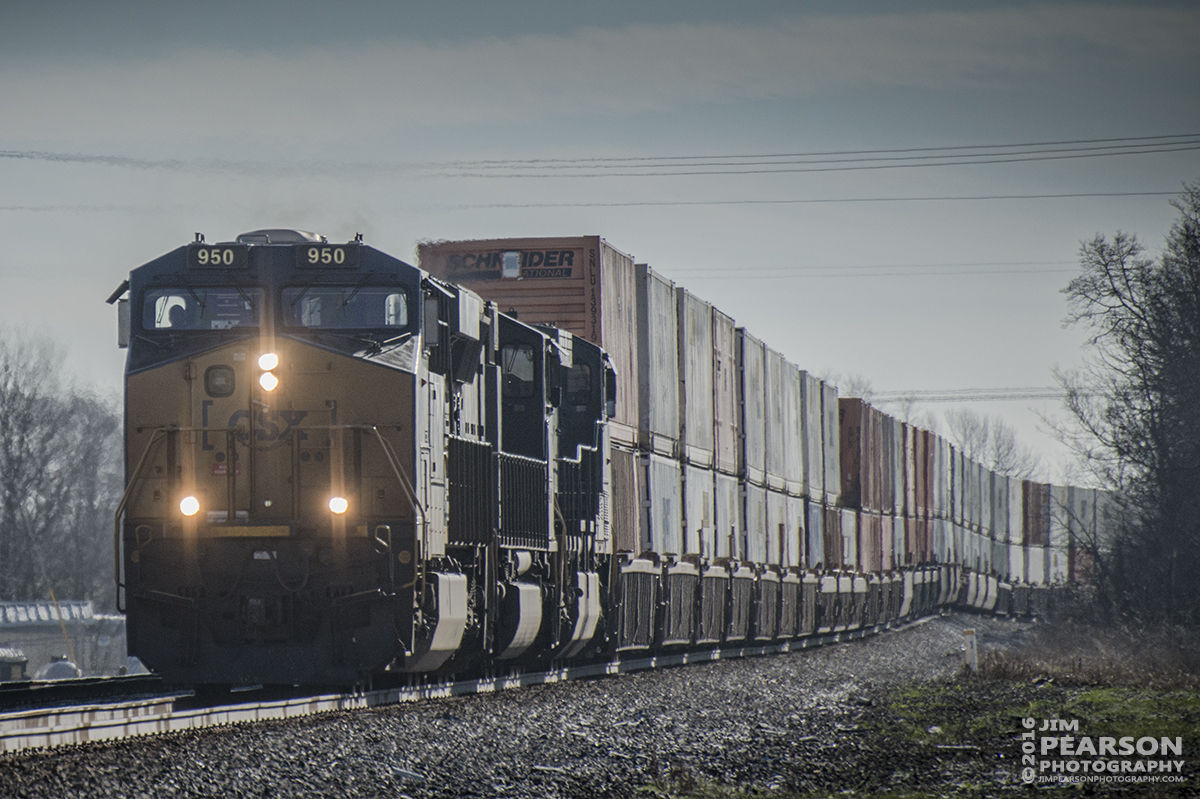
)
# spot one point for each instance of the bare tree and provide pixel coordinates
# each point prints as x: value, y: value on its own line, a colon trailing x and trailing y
x: 1135, y: 401
x: 991, y: 441
x: 59, y: 471
x: 851, y: 385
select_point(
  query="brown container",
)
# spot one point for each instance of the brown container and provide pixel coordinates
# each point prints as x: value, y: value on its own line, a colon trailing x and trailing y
x: 1035, y: 501
x: 870, y: 546
x: 832, y: 533
x: 853, y: 420
x: 862, y: 455
x: 627, y: 490
x: 580, y: 284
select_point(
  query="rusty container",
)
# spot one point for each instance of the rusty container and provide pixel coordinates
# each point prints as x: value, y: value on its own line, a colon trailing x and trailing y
x: 832, y: 535
x: 870, y: 543
x: 628, y: 486
x: 581, y: 284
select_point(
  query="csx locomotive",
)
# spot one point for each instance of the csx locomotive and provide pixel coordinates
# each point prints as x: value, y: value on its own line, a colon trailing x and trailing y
x: 338, y: 465
x: 341, y: 467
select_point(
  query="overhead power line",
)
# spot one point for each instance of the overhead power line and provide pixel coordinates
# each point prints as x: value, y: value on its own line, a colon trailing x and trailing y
x: 634, y: 159
x: 971, y: 394
x: 118, y: 208
x: 663, y: 166
x: 877, y: 270
x: 966, y: 198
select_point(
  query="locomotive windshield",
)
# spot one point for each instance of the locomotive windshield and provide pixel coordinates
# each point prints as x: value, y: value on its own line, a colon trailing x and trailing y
x: 346, y: 307
x: 200, y: 308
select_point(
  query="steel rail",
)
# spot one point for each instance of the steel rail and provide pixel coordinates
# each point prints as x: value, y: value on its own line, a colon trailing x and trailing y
x: 44, y: 728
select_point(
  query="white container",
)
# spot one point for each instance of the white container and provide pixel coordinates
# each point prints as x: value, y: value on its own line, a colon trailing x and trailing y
x: 695, y: 319
x: 811, y: 424
x: 1035, y: 565
x: 698, y: 514
x: 658, y: 363
x: 726, y: 411
x: 727, y: 517
x: 752, y: 366
x: 850, y: 538
x: 814, y: 531
x: 1016, y: 563
x: 777, y: 531
x: 663, y: 505
x: 987, y: 502
x: 775, y: 440
x: 794, y: 542
x: 831, y: 443
x: 793, y: 431
x: 755, y: 515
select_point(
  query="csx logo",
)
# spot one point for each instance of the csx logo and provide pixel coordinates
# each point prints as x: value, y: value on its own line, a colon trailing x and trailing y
x: 269, y: 425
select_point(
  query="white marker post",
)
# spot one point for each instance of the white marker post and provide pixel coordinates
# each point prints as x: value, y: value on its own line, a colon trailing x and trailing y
x: 970, y: 651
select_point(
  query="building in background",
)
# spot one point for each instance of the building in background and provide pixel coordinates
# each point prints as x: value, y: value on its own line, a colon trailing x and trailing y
x: 32, y: 636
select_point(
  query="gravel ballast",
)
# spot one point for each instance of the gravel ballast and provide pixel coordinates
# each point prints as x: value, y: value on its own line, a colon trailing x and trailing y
x: 802, y: 722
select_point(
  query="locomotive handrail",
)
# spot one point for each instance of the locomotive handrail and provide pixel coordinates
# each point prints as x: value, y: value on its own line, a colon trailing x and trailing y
x: 158, y: 432
x: 121, y: 509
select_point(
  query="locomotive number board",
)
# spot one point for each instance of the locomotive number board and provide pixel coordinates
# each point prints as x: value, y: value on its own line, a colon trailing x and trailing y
x: 218, y: 256
x: 327, y: 256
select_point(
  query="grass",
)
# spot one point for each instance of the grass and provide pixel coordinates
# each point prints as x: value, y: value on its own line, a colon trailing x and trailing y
x: 1080, y: 653
x: 1113, y: 681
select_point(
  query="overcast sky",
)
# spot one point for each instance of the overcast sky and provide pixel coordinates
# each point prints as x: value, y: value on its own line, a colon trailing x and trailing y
x: 689, y: 134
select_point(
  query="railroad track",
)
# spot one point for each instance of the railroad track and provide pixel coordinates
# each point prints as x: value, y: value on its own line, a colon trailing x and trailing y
x: 165, y: 712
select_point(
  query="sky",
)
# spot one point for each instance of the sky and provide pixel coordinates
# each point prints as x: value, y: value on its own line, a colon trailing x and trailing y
x: 864, y: 186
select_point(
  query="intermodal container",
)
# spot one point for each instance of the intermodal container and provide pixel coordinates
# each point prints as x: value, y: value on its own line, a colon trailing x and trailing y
x: 658, y: 363
x: 695, y: 320
x: 813, y: 480
x: 831, y: 443
x: 774, y: 419
x: 581, y: 284
x: 726, y: 412
x: 751, y: 394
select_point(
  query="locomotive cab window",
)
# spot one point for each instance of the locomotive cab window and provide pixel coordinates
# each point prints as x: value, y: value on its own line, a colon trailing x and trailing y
x: 346, y: 307
x: 579, y: 387
x: 200, y: 308
x: 518, y: 364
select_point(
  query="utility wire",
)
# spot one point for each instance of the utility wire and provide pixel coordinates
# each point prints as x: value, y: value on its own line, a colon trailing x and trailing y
x: 970, y: 395
x: 1124, y: 149
x: 906, y: 158
x: 968, y: 198
x: 631, y: 159
x: 1189, y: 146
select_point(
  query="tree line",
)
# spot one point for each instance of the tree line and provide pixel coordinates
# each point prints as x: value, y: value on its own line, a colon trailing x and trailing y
x: 60, y: 479
x: 1135, y: 402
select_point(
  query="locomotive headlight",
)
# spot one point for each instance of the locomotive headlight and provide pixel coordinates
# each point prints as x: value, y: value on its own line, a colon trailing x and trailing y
x: 268, y: 361
x: 189, y: 506
x: 268, y: 381
x: 338, y: 504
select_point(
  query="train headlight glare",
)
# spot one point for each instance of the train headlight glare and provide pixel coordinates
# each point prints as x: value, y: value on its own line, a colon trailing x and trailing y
x: 268, y: 381
x: 189, y: 506
x: 338, y: 504
x: 268, y: 361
